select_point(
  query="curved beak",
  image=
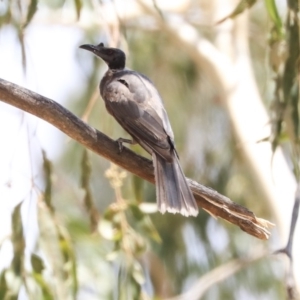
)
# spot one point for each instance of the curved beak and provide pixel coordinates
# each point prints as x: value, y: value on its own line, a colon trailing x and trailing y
x: 88, y: 47
x: 96, y: 49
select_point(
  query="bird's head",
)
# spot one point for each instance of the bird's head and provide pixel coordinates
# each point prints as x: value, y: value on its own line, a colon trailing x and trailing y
x: 114, y: 58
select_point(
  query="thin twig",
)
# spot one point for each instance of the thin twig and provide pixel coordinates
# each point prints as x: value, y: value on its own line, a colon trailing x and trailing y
x: 287, y: 250
x: 90, y: 106
x: 217, y: 275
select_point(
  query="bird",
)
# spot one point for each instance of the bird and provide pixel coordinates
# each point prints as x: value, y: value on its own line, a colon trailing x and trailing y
x: 133, y: 100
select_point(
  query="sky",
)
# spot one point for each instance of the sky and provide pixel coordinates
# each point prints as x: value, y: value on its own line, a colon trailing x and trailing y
x: 52, y: 71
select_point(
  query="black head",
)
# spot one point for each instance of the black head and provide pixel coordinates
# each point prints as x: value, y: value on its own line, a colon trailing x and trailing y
x: 115, y: 58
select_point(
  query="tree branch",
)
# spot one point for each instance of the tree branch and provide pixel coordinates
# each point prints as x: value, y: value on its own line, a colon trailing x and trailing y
x: 218, y: 274
x: 55, y: 114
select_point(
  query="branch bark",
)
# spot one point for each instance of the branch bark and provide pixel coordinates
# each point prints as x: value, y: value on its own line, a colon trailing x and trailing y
x: 52, y: 112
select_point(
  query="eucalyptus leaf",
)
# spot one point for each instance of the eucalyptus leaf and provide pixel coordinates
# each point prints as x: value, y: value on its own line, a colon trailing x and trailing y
x: 37, y: 263
x: 47, y: 165
x: 138, y: 273
x: 32, y: 8
x: 78, y: 6
x: 273, y: 13
x: 45, y: 288
x: 18, y: 241
x: 240, y: 8
x: 3, y: 285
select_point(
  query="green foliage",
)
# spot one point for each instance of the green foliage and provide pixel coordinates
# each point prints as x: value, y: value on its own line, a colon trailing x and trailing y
x: 32, y: 8
x: 85, y: 184
x: 14, y: 14
x: 97, y: 238
x: 48, y: 189
x: 78, y: 6
x: 18, y: 241
x: 60, y: 237
x: 129, y: 230
x: 58, y: 249
x: 240, y: 8
x: 273, y: 13
x: 285, y: 55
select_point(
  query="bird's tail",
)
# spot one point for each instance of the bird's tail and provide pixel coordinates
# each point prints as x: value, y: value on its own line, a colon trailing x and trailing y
x: 172, y: 190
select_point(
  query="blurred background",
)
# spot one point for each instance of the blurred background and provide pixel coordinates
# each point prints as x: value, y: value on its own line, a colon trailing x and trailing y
x: 72, y: 225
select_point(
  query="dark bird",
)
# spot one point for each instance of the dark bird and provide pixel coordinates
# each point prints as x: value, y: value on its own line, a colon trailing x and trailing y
x: 132, y: 99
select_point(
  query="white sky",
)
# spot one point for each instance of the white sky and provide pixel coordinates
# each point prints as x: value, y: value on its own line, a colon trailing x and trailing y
x: 52, y: 71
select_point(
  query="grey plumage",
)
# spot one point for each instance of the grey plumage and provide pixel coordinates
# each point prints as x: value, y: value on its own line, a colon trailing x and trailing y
x: 132, y: 99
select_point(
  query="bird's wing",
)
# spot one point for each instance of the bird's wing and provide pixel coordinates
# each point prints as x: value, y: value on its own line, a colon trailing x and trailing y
x: 156, y: 102
x: 138, y: 110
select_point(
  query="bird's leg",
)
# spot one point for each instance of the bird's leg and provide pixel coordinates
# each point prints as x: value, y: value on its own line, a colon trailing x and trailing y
x: 120, y: 142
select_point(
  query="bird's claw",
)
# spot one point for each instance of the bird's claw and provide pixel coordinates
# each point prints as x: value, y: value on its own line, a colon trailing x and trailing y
x: 120, y: 142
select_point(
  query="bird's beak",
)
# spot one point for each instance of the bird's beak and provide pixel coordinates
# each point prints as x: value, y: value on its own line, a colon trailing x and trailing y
x: 98, y: 49
x: 91, y: 48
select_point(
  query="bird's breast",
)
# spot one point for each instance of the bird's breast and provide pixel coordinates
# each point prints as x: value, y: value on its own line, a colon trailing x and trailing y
x: 115, y: 92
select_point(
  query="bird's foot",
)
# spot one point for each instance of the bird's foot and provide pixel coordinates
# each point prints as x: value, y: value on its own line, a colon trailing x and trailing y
x: 120, y: 142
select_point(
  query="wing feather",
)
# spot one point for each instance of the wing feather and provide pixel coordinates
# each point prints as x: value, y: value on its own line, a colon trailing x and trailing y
x: 137, y: 110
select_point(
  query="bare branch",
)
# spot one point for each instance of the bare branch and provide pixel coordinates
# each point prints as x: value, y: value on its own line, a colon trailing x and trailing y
x: 217, y: 275
x: 55, y: 114
x: 290, y: 277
